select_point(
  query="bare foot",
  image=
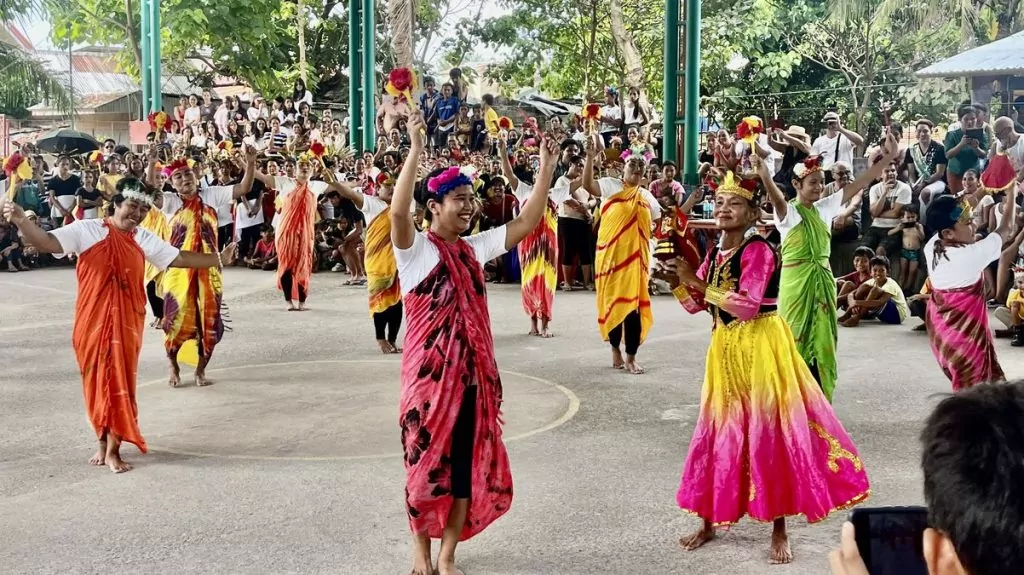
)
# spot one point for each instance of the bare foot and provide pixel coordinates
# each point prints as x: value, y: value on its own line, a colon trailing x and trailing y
x: 546, y: 333
x: 843, y: 318
x: 99, y: 458
x: 446, y: 568
x: 780, y: 553
x: 302, y: 307
x: 291, y: 307
x: 395, y: 348
x: 113, y: 457
x: 202, y: 380
x: 175, y: 379
x: 617, y: 361
x: 385, y: 347
x: 852, y: 322
x: 633, y: 367
x: 700, y: 537
x: 157, y: 323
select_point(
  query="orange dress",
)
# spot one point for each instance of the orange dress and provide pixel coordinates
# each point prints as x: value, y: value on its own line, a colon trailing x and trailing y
x: 110, y: 316
x: 295, y: 240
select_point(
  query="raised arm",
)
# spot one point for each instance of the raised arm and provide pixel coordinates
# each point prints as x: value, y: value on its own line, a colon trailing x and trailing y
x: 403, y: 229
x: 506, y: 166
x: 1005, y: 227
x: 891, y: 150
x: 589, y: 183
x: 775, y: 195
x: 691, y: 200
x: 530, y: 216
x: 348, y: 192
x: 245, y: 185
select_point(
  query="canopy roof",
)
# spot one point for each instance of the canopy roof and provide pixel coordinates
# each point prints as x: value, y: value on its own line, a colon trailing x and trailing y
x: 997, y: 58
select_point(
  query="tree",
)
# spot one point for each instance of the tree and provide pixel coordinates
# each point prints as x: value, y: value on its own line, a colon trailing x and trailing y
x: 26, y: 80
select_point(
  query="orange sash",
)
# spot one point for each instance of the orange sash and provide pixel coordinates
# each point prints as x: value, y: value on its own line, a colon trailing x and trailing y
x: 295, y: 239
x: 110, y: 315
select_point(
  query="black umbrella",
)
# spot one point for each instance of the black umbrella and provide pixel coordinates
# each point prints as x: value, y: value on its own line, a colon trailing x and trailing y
x: 67, y: 141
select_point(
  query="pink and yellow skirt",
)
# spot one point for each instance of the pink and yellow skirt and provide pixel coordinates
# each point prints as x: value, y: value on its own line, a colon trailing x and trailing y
x: 767, y: 443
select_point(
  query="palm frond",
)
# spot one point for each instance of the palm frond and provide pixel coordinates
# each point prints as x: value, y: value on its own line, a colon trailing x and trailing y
x: 27, y: 82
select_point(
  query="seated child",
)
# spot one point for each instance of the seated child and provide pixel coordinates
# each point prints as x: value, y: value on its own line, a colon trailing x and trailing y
x: 1013, y: 314
x: 861, y: 273
x: 918, y: 304
x: 264, y: 257
x: 879, y: 298
x: 913, y: 238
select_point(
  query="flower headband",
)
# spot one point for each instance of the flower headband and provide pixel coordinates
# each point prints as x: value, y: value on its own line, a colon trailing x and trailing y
x: 440, y: 185
x: 807, y: 167
x: 179, y: 164
x: 134, y: 191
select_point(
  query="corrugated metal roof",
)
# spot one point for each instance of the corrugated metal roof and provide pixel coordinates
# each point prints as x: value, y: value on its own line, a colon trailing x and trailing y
x: 1004, y: 56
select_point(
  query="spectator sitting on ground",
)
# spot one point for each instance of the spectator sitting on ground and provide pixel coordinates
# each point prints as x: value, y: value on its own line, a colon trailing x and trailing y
x: 879, y: 298
x: 912, y: 233
x: 10, y: 249
x: 973, y: 465
x: 861, y: 273
x: 1013, y: 314
x: 264, y: 257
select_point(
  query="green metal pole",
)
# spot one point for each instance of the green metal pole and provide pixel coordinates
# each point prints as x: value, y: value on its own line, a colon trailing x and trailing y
x: 144, y: 72
x: 369, y: 73
x: 355, y: 77
x: 155, y: 83
x: 671, y: 80
x: 691, y: 104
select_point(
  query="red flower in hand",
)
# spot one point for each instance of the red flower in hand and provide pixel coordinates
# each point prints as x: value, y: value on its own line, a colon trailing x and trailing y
x: 317, y: 149
x: 591, y: 111
x: 400, y: 79
x: 505, y: 123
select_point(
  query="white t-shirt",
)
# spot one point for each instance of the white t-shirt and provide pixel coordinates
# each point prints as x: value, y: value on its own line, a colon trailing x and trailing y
x: 610, y: 113
x: 285, y: 185
x: 192, y: 115
x: 826, y: 147
x: 416, y: 263
x: 215, y: 197
x: 901, y: 194
x: 242, y: 219
x: 1015, y: 153
x: 979, y: 210
x: 79, y: 236
x: 895, y: 295
x: 579, y: 195
x: 827, y: 208
x: 611, y: 186
x: 374, y: 206
x: 964, y: 265
x: 558, y: 194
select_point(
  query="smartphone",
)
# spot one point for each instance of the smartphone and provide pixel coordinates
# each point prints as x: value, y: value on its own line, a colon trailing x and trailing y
x: 890, y: 539
x: 975, y: 133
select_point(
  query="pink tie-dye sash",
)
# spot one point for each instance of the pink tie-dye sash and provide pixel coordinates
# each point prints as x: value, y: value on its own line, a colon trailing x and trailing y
x: 448, y: 346
x: 957, y: 323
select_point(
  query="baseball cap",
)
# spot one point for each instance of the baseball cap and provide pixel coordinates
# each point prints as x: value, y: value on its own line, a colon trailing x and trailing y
x: 830, y: 117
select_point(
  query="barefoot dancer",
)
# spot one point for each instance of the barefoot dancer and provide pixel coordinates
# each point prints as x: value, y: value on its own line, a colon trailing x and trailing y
x: 538, y: 252
x: 807, y: 297
x: 110, y: 310
x: 957, y: 318
x: 193, y: 298
x: 767, y: 443
x: 457, y: 471
x: 622, y: 270
x: 381, y: 269
x: 294, y: 238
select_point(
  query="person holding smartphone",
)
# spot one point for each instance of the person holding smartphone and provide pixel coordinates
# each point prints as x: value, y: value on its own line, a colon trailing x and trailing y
x: 965, y: 147
x: 836, y: 144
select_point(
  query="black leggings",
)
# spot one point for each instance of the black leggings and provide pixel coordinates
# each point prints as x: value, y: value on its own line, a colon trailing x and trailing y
x: 633, y: 328
x: 225, y: 235
x: 389, y: 320
x: 286, y: 287
x: 155, y: 303
x: 247, y: 241
x: 462, y: 446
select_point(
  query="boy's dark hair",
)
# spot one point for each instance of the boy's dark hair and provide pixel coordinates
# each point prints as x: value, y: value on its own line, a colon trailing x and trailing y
x: 864, y: 252
x: 569, y: 142
x: 670, y: 163
x: 488, y: 99
x: 972, y: 458
x: 881, y: 261
x: 908, y: 209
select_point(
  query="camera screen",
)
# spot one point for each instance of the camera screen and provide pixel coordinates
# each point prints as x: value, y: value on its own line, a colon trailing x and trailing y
x: 896, y: 546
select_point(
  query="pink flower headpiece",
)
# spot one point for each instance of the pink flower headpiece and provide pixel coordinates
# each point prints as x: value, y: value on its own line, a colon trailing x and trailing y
x: 446, y: 181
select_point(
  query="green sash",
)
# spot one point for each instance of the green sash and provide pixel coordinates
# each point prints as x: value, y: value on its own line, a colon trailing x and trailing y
x: 807, y: 294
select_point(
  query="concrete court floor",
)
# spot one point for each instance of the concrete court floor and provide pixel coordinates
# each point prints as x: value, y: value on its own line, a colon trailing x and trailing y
x: 289, y: 462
